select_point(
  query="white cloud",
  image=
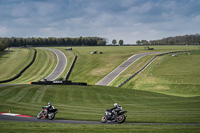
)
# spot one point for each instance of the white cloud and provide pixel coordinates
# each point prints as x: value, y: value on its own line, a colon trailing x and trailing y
x: 127, y: 3
x: 129, y: 20
x: 46, y: 8
x: 3, y: 31
x: 20, y: 10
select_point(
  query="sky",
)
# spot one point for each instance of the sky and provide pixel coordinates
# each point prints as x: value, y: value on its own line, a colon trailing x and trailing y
x: 129, y: 20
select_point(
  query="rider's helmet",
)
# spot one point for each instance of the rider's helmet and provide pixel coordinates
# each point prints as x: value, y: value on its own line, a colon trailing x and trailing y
x: 49, y: 104
x: 115, y: 104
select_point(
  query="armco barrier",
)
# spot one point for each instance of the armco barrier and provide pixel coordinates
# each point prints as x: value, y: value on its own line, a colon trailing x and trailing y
x: 22, y: 71
x: 70, y: 69
x: 58, y: 83
x: 120, y: 85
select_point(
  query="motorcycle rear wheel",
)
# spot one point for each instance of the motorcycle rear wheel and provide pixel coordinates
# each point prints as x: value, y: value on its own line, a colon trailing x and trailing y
x: 51, y: 116
x: 121, y: 118
x: 39, y: 116
x: 104, y: 119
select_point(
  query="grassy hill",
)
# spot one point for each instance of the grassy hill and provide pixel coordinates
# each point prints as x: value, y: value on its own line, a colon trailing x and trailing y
x: 92, y: 68
x: 11, y: 63
x: 143, y: 103
x: 90, y: 102
x: 43, y: 66
x: 171, y: 75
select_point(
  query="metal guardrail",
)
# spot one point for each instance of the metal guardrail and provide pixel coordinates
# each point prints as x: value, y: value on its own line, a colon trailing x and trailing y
x: 70, y: 69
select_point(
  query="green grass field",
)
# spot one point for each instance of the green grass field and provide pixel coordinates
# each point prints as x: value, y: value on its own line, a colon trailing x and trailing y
x: 43, y: 66
x: 171, y: 75
x: 89, y: 103
x: 131, y: 70
x: 142, y: 96
x: 82, y: 128
x: 14, y: 61
x: 92, y: 68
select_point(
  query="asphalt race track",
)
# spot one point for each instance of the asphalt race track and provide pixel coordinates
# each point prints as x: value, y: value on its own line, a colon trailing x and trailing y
x: 60, y: 67
x: 112, y: 75
x: 32, y: 119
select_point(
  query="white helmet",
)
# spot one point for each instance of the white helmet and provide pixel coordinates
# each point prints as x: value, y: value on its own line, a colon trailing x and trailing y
x: 115, y: 104
x: 49, y: 104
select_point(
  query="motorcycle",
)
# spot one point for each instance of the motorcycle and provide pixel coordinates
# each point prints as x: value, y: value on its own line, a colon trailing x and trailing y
x: 45, y: 113
x: 117, y: 117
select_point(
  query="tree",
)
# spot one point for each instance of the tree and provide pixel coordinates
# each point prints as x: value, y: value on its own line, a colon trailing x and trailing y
x: 114, y: 41
x: 3, y: 45
x: 100, y: 42
x: 138, y: 42
x: 121, y: 42
x: 144, y: 42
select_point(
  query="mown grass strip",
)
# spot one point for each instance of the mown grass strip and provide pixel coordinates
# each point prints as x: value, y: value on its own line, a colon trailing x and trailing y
x: 44, y: 64
x: 90, y: 102
x: 22, y: 93
x: 38, y: 96
x: 171, y: 75
x: 13, y: 62
x: 7, y: 126
x: 6, y: 90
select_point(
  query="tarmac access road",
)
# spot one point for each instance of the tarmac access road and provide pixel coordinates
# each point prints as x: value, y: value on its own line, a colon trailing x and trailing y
x: 60, y: 67
x: 32, y: 119
x: 115, y: 73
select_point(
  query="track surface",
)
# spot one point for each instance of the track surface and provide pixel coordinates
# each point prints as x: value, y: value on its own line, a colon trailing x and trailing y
x: 112, y: 75
x: 32, y: 119
x: 60, y: 67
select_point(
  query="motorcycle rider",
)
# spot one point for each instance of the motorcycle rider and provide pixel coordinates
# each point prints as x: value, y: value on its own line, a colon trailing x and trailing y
x: 115, y: 109
x: 49, y: 107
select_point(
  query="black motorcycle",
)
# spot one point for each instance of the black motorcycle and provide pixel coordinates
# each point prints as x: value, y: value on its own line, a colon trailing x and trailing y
x: 117, y: 117
x: 46, y: 113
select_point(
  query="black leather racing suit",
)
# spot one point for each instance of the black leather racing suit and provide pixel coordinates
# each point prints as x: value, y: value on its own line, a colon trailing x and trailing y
x: 115, y: 110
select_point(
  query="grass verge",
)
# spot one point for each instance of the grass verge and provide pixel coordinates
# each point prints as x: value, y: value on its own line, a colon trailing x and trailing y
x: 43, y: 66
x: 13, y: 62
x: 82, y: 128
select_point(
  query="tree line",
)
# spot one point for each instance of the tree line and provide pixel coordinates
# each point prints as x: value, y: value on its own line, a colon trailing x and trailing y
x: 52, y: 41
x: 177, y: 40
x: 3, y: 45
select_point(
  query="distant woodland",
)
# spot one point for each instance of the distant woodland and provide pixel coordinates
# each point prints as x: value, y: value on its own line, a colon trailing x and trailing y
x: 52, y: 41
x: 177, y: 40
x: 91, y: 41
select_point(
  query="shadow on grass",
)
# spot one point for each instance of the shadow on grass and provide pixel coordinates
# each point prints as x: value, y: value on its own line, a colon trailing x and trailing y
x: 5, y: 53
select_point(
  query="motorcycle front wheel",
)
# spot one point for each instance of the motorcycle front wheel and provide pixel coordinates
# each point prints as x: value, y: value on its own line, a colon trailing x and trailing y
x: 121, y: 118
x: 39, y: 116
x: 104, y: 119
